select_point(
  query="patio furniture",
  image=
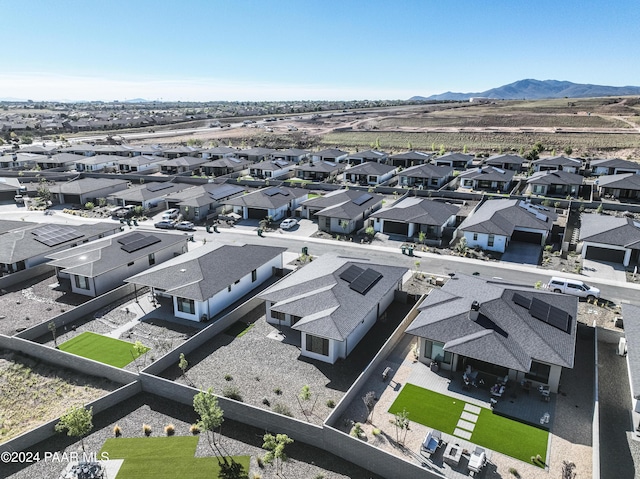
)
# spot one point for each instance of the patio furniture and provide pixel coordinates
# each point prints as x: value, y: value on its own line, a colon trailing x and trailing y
x: 386, y: 372
x: 452, y: 454
x: 525, y: 385
x: 544, y: 393
x: 477, y: 460
x: 432, y: 441
x: 497, y: 390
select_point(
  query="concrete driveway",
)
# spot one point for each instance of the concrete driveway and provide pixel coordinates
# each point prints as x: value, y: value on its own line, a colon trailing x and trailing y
x: 304, y: 228
x: 523, y: 253
x: 603, y: 270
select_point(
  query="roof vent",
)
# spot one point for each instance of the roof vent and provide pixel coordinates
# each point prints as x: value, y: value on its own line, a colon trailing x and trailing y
x: 475, y: 311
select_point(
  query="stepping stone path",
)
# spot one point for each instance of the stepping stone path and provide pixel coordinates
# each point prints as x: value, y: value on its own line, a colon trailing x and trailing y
x: 467, y: 423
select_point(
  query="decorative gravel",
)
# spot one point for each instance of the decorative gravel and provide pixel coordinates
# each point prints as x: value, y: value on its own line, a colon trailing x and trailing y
x: 305, y: 462
x: 260, y: 368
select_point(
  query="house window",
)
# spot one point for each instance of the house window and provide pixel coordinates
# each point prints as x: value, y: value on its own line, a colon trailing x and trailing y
x: 434, y: 181
x: 491, y: 240
x: 152, y: 259
x: 317, y: 345
x: 327, y: 222
x: 82, y: 282
x: 254, y: 275
x: 539, y: 372
x: 186, y: 305
x: 475, y: 236
x: 295, y: 319
x: 434, y: 350
x: 277, y: 315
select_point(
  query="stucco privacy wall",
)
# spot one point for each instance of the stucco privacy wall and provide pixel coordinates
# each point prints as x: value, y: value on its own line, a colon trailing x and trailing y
x: 26, y: 274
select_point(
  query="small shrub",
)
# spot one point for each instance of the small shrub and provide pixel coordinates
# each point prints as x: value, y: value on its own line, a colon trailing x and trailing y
x: 278, y: 391
x: 266, y: 402
x: 282, y: 409
x: 331, y: 403
x: 232, y: 392
x: 228, y: 377
x: 318, y: 476
x: 146, y: 429
x: 514, y: 472
x: 260, y: 462
x: 89, y: 205
x: 194, y: 429
x: 356, y: 430
x: 376, y: 431
x: 117, y: 431
x: 256, y: 475
x: 169, y: 429
x: 548, y: 248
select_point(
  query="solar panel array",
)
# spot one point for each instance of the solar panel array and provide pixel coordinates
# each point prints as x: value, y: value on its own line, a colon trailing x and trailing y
x: 281, y: 162
x: 521, y: 300
x: 365, y: 281
x: 53, y: 235
x: 276, y: 191
x: 224, y: 190
x: 140, y: 243
x: 159, y: 186
x: 351, y: 273
x: 551, y: 315
x: 362, y: 199
x: 130, y: 238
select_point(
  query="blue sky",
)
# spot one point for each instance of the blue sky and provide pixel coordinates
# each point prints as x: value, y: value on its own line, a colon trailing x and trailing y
x: 302, y: 49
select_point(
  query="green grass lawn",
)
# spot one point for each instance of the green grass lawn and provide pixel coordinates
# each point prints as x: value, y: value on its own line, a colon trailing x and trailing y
x: 101, y: 348
x: 239, y: 329
x: 494, y: 432
x: 164, y: 457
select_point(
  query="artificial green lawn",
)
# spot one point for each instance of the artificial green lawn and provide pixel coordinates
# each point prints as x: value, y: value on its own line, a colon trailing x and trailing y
x: 101, y: 348
x: 239, y: 329
x: 164, y: 457
x: 492, y: 431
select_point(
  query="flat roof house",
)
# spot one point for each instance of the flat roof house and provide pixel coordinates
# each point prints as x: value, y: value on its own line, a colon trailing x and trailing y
x: 499, y: 329
x: 203, y: 282
x: 333, y: 302
x: 97, y: 267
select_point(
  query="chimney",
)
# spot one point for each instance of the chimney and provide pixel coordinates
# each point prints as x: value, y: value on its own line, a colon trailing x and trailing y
x: 474, y: 311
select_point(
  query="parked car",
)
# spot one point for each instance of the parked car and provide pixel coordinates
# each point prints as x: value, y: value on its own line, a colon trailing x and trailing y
x: 165, y: 224
x: 574, y: 287
x: 288, y: 223
x: 125, y: 211
x: 171, y: 214
x: 185, y: 226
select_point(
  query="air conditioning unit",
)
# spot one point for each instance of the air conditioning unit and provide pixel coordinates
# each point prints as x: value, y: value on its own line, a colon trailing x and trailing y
x: 622, y: 347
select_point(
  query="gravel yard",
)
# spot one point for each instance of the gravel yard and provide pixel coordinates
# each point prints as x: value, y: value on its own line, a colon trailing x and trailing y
x: 305, y: 462
x: 259, y: 368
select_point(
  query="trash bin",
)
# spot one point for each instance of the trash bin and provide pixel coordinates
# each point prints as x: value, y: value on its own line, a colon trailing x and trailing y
x: 208, y: 228
x: 259, y: 231
x: 410, y: 250
x: 404, y: 250
x: 305, y: 250
x: 215, y: 228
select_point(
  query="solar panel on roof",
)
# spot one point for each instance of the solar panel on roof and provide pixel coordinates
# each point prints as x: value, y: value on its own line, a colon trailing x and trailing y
x: 159, y: 186
x: 281, y: 162
x: 365, y: 281
x: 141, y: 243
x: 272, y: 191
x: 362, y: 199
x: 130, y: 238
x: 351, y: 273
x: 521, y: 300
x: 551, y: 315
x: 223, y: 191
x: 539, y: 309
x: 53, y: 235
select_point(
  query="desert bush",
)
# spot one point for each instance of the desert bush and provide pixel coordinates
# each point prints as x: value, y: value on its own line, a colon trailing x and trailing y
x: 282, y: 409
x: 330, y: 403
x: 194, y: 429
x: 117, y: 431
x: 232, y: 392
x: 146, y: 429
x: 169, y: 429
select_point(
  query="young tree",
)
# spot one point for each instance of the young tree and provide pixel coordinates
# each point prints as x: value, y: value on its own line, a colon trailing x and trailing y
x: 77, y: 421
x: 205, y: 404
x: 52, y: 328
x: 422, y: 236
x: 275, y: 446
x: 138, y: 350
x: 401, y: 422
x: 183, y: 364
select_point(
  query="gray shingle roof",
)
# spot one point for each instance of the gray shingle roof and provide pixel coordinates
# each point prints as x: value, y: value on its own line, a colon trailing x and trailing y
x: 427, y: 171
x: 347, y: 208
x: 322, y: 166
x: 502, y: 216
x: 555, y: 178
x: 329, y: 308
x: 504, y: 333
x: 148, y: 191
x: 413, y: 155
x: 631, y: 314
x: 370, y: 168
x: 202, y: 273
x: 488, y: 173
x: 418, y: 210
x: 502, y: 159
x: 558, y: 161
x: 330, y: 153
x: 624, y: 181
x: 228, y: 162
x: 610, y: 230
x: 263, y: 199
x: 615, y: 163
x: 85, y: 185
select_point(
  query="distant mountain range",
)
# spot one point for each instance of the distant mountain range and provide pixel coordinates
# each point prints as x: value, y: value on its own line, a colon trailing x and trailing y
x: 538, y: 89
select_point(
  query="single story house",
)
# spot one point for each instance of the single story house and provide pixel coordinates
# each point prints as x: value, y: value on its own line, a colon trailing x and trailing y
x: 218, y: 152
x: 276, y: 202
x: 256, y: 154
x: 271, y: 169
x: 413, y: 215
x: 83, y: 149
x: 39, y: 149
x: 457, y: 161
x: 624, y: 186
x: 198, y: 202
x: 334, y: 155
x: 366, y: 156
x: 614, y: 166
x: 181, y: 151
x: 19, y: 160
x: 147, y: 195
x: 486, y: 178
x: 410, y: 158
x: 99, y: 266
x: 610, y: 238
x: 499, y: 329
x: 226, y: 166
x: 319, y: 170
x: 342, y: 211
x: 81, y: 191
x: 557, y: 163
x: 293, y: 155
x: 60, y: 160
x: 181, y: 164
x: 425, y: 176
x: 97, y: 163
x: 205, y: 281
x: 139, y: 163
x: 495, y: 223
x: 369, y: 173
x: 333, y: 302
x: 505, y: 162
x: 554, y: 183
x: 29, y: 246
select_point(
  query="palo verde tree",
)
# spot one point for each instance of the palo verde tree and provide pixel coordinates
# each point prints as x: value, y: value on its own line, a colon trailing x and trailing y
x: 77, y: 421
x: 275, y: 449
x: 205, y: 404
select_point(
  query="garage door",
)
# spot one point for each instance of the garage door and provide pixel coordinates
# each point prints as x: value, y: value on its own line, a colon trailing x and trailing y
x: 395, y: 228
x: 72, y: 199
x: 605, y: 254
x: 526, y: 237
x: 257, y: 213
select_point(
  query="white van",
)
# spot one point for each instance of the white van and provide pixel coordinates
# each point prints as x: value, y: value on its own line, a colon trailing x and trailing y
x: 574, y: 287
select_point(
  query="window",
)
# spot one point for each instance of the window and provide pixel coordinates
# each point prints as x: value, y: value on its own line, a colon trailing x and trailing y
x: 475, y: 236
x: 295, y: 319
x: 82, y: 282
x: 254, y: 275
x: 186, y: 305
x: 434, y: 350
x: 277, y: 315
x: 491, y: 240
x: 317, y: 345
x: 539, y: 372
x: 152, y: 259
